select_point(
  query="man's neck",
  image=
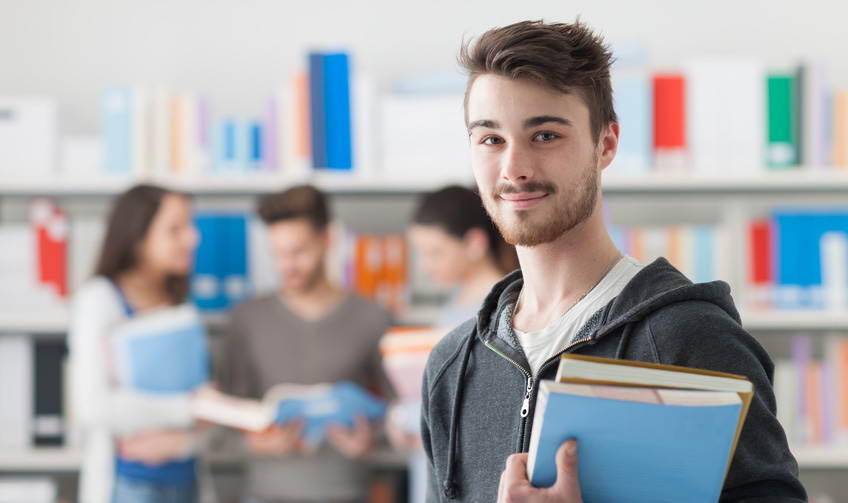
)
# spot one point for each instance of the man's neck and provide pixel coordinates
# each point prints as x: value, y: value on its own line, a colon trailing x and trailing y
x: 559, y: 273
x: 314, y: 302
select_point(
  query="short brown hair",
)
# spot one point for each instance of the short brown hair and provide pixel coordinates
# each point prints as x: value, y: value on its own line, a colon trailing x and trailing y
x: 562, y: 57
x: 304, y: 201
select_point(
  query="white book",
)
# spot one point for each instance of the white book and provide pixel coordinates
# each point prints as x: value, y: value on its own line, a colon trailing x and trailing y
x: 725, y: 101
x: 16, y: 391
x: 28, y: 490
x: 365, y: 121
x: 786, y: 395
x: 424, y: 137
x: 814, y: 114
x: 140, y: 143
x: 160, y: 157
x: 28, y: 136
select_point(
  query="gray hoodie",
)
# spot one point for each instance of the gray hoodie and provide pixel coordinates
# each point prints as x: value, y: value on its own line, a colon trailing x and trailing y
x: 479, y: 395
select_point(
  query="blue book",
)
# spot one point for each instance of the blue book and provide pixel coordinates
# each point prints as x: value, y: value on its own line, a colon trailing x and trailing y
x: 337, y: 111
x: 318, y: 115
x: 207, y: 289
x: 234, y: 271
x: 256, y: 147
x: 165, y: 351
x: 318, y: 406
x: 704, y: 251
x: 645, y: 432
x: 116, y: 130
x: 220, y: 278
x: 633, y: 97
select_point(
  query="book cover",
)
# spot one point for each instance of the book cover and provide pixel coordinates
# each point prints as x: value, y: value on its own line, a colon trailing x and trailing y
x: 670, y: 142
x: 29, y: 136
x: 116, y: 127
x: 48, y: 425
x: 636, y: 444
x: 318, y: 112
x: 760, y: 262
x: 725, y: 113
x: 337, y: 111
x: 164, y: 351
x: 782, y: 146
x: 633, y: 97
x: 317, y: 405
x: 813, y: 116
x: 16, y: 391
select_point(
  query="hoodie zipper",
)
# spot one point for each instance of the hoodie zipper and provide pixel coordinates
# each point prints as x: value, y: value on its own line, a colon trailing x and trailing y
x: 531, y: 381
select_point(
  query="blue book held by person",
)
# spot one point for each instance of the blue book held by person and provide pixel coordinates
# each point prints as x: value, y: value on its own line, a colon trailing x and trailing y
x: 645, y: 432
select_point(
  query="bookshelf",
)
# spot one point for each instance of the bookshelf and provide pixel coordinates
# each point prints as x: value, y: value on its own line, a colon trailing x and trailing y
x: 795, y: 181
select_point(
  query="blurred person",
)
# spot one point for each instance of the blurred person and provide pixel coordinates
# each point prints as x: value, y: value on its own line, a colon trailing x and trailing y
x: 460, y: 249
x: 308, y: 332
x: 139, y: 446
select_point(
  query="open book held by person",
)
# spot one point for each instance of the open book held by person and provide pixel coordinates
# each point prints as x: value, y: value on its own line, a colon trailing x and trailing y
x: 318, y: 405
x: 647, y: 432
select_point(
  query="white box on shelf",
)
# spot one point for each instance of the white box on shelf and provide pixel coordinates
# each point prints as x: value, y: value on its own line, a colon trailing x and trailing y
x: 16, y: 391
x: 81, y: 156
x: 28, y: 133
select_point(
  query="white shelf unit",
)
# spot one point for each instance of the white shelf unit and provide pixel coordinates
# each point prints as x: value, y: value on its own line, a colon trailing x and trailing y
x: 802, y: 179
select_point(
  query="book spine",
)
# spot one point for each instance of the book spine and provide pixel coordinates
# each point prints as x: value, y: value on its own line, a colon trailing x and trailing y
x: 782, y: 148
x: 116, y: 129
x: 318, y: 112
x: 337, y: 111
x: 670, y: 121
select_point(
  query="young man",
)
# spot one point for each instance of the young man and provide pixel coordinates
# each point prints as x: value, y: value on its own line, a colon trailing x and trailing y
x: 542, y: 127
x: 309, y: 332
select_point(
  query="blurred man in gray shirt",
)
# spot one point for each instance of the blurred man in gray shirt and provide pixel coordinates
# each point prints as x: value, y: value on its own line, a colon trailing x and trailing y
x: 307, y: 333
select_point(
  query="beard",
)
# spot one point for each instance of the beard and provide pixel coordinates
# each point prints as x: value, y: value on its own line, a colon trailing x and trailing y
x: 570, y: 207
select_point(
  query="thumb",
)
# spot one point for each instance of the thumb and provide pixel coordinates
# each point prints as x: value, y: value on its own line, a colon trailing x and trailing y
x: 566, y: 463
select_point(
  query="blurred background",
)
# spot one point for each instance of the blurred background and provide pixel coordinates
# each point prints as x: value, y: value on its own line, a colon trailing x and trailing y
x: 733, y: 164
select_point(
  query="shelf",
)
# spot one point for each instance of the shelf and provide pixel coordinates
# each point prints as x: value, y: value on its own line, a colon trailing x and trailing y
x: 794, y: 320
x: 56, y: 321
x: 62, y: 459
x: 821, y: 457
x: 795, y: 180
x: 331, y: 182
x: 43, y: 459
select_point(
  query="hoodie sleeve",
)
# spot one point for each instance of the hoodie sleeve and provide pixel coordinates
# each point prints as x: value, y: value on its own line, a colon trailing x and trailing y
x: 702, y: 335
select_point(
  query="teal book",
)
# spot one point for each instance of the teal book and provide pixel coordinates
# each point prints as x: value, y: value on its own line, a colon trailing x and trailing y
x: 645, y: 432
x: 782, y: 147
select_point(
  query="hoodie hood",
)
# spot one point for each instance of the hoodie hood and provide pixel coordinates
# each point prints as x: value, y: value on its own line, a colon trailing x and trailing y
x: 656, y: 286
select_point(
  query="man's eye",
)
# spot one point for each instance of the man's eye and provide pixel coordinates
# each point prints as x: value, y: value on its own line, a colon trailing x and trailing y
x: 492, y: 140
x: 546, y: 136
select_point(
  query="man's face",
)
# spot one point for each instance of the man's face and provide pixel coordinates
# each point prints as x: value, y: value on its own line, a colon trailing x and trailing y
x: 299, y: 253
x: 534, y: 157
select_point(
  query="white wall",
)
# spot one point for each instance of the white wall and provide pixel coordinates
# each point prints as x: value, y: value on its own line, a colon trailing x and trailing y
x: 236, y: 52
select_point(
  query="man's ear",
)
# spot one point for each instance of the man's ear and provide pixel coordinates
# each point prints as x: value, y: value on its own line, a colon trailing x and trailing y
x: 476, y: 243
x: 608, y: 145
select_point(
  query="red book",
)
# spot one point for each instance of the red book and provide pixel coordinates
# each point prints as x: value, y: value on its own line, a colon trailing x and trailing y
x: 760, y: 256
x: 51, y: 228
x: 669, y: 119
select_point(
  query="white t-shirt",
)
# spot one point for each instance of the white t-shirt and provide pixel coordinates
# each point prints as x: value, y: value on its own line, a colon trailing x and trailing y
x: 540, y: 345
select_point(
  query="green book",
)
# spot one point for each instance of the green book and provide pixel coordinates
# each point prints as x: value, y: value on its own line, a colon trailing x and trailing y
x: 782, y: 145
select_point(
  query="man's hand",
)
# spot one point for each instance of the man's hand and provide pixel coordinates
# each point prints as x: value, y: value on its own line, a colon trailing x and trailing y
x: 353, y: 442
x: 155, y: 448
x: 515, y: 488
x: 279, y: 440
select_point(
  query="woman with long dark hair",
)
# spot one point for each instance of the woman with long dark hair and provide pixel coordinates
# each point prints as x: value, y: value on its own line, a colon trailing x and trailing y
x: 139, y: 445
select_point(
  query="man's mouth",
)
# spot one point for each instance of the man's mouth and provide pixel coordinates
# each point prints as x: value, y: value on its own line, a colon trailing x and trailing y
x: 523, y: 200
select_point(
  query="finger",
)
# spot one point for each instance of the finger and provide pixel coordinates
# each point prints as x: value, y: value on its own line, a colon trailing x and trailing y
x: 566, y: 462
x: 515, y: 472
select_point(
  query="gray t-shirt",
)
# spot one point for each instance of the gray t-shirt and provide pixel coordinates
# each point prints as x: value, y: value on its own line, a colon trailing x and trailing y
x: 268, y: 344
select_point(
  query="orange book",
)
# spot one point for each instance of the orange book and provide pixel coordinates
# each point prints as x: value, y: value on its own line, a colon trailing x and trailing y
x: 369, y: 259
x: 303, y: 124
x: 841, y: 373
x: 840, y: 129
x: 177, y: 141
x: 637, y: 244
x: 815, y: 404
x: 675, y: 247
x: 395, y: 272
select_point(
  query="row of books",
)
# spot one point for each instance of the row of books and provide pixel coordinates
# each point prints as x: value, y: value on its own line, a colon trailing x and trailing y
x: 811, y: 389
x: 234, y: 263
x: 701, y: 252
x: 798, y: 259
x: 729, y: 115
x: 32, y: 379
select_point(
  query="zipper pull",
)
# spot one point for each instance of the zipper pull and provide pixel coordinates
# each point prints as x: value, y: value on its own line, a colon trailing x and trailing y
x: 525, y: 407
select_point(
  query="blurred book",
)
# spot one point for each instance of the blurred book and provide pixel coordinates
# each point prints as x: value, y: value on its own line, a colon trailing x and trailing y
x: 28, y: 137
x: 319, y: 406
x: 164, y: 351
x: 28, y: 490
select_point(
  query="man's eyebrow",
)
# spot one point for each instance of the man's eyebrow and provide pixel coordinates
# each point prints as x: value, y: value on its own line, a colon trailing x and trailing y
x: 542, y: 119
x: 484, y: 123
